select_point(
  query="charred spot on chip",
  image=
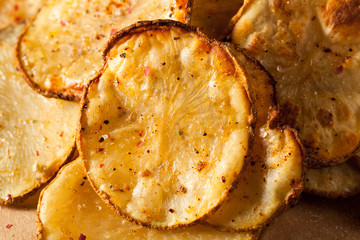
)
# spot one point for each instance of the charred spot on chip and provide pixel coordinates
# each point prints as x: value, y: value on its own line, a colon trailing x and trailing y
x: 201, y: 165
x: 325, y: 118
x: 183, y: 189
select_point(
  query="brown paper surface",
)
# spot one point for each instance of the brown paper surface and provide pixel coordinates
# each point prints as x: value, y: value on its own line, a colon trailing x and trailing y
x: 313, y: 218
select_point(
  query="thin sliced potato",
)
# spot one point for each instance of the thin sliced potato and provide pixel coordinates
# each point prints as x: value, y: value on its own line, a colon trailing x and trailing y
x: 312, y: 53
x: 69, y: 208
x: 167, y: 126
x: 274, y: 178
x: 61, y: 50
x: 342, y: 180
x: 37, y: 134
x: 213, y: 16
x: 15, y: 11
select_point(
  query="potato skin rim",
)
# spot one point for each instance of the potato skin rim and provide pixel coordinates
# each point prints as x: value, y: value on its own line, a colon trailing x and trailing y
x: 161, y: 24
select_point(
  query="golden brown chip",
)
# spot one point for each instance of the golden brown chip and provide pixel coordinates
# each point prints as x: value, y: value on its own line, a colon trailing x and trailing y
x: 213, y: 16
x: 312, y: 51
x: 171, y: 114
x: 69, y: 208
x: 37, y: 135
x: 342, y: 180
x: 274, y: 177
x: 15, y: 11
x: 60, y: 51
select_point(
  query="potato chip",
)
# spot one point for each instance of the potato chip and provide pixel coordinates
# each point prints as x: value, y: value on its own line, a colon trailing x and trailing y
x: 312, y: 51
x: 166, y: 127
x: 74, y: 34
x: 213, y: 16
x: 15, y: 11
x: 342, y: 180
x: 37, y: 135
x: 69, y: 208
x: 274, y: 177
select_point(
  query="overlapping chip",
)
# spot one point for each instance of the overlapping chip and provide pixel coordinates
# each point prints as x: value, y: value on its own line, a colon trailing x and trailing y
x: 274, y: 177
x: 311, y: 48
x: 37, y: 135
x: 69, y: 208
x: 213, y: 16
x: 167, y: 126
x: 61, y: 50
x: 338, y: 181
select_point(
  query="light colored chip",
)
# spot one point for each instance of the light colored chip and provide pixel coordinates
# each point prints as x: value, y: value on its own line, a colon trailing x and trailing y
x: 69, y: 208
x: 312, y: 51
x: 37, y: 135
x: 171, y: 114
x: 213, y: 16
x: 74, y: 34
x: 274, y: 177
x: 342, y: 180
x: 14, y: 11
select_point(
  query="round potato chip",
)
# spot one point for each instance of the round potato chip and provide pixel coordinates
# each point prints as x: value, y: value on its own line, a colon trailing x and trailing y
x: 213, y: 16
x: 274, y: 177
x: 37, y: 134
x: 74, y: 34
x: 166, y: 127
x: 342, y: 180
x: 69, y: 208
x: 312, y: 51
x: 15, y: 11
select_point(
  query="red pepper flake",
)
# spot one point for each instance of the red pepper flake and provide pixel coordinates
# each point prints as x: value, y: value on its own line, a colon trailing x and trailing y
x: 17, y: 19
x: 140, y: 143
x: 16, y: 7
x: 339, y: 69
x: 113, y: 31
x: 9, y: 226
x: 82, y: 237
x: 101, y: 165
x: 37, y: 153
x: 61, y: 134
x: 129, y: 10
x: 8, y: 197
x: 63, y: 23
x: 147, y: 70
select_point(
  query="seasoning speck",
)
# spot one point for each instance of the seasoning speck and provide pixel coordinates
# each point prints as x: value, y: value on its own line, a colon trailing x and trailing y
x: 106, y: 121
x: 82, y: 237
x: 8, y: 226
x: 123, y: 55
x: 101, y: 165
x: 146, y: 70
x: 171, y: 210
x: 223, y: 180
x: 82, y: 183
x: 181, y: 132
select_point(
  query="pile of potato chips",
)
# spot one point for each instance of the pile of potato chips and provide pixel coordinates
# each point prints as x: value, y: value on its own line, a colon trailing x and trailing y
x: 176, y: 119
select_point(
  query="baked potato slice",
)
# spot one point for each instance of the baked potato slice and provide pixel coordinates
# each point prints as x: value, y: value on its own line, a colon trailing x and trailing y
x: 69, y: 208
x: 37, y: 134
x: 167, y: 126
x: 15, y: 11
x: 274, y: 177
x: 74, y: 34
x: 342, y: 180
x: 213, y: 16
x: 312, y: 53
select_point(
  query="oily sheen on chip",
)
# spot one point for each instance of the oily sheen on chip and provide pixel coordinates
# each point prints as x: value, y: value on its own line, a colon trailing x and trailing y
x: 69, y: 208
x: 166, y: 128
x: 37, y: 134
x: 274, y: 177
x: 61, y: 50
x: 312, y: 50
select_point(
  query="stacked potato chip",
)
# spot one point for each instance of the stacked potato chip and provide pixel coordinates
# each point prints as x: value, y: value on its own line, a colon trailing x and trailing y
x: 179, y: 136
